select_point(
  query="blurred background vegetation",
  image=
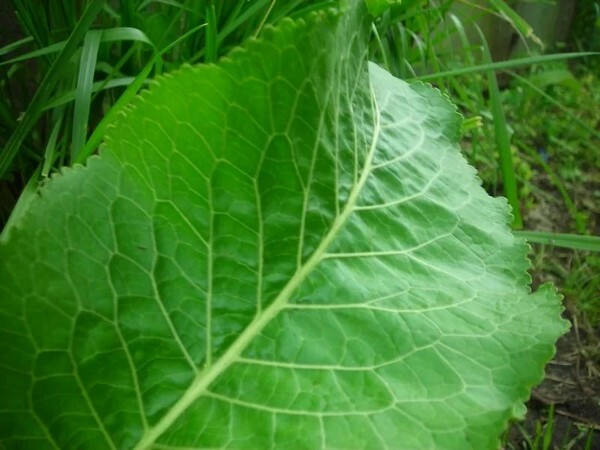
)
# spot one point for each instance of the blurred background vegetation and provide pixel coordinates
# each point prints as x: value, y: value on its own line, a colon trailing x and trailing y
x: 524, y: 74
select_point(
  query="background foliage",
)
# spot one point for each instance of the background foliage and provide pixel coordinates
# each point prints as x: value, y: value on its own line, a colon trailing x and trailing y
x: 531, y: 123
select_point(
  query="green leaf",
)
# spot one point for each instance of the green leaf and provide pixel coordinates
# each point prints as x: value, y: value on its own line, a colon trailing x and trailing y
x: 284, y: 250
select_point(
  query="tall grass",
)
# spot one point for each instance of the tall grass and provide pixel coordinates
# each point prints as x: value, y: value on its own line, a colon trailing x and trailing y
x: 75, y: 69
x: 70, y: 70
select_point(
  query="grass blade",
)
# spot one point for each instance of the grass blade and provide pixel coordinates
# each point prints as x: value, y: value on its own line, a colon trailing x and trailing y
x: 549, y: 429
x: 109, y: 35
x: 54, y: 48
x: 125, y: 34
x: 265, y: 17
x: 210, y: 54
x: 517, y: 22
x: 96, y: 87
x: 34, y: 20
x: 83, y: 92
x: 572, y: 241
x: 502, y: 65
x: 502, y: 139
x: 51, y: 147
x: 14, y: 45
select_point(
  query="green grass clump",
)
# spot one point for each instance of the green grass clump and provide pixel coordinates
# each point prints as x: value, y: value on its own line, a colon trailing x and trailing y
x: 66, y: 69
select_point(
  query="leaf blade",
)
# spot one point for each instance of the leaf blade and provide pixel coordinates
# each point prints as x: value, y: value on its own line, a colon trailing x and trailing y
x: 263, y: 246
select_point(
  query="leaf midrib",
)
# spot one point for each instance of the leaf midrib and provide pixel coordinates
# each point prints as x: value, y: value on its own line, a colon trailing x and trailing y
x: 205, y: 378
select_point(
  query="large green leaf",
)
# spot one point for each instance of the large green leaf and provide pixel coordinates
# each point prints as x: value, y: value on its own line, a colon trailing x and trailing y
x: 284, y: 250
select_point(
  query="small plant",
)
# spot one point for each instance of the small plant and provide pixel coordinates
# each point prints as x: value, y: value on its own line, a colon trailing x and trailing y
x: 283, y: 250
x: 543, y: 436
